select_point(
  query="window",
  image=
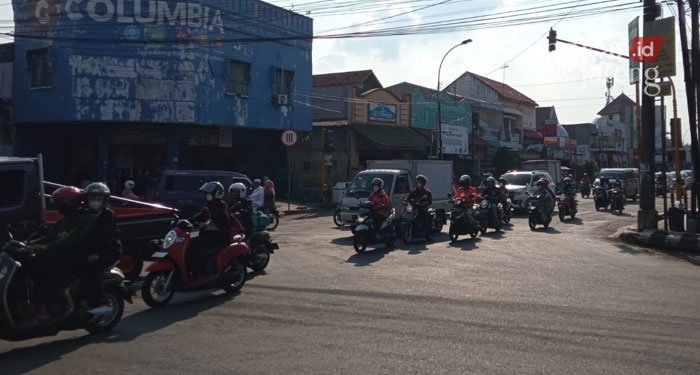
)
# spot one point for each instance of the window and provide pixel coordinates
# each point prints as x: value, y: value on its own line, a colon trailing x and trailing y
x: 402, y: 186
x: 39, y: 69
x: 12, y: 186
x: 283, y: 82
x: 610, y: 117
x: 238, y: 78
x: 184, y: 183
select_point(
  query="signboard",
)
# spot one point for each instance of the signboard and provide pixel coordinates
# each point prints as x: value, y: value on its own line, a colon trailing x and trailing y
x: 550, y: 130
x: 664, y: 28
x: 382, y: 112
x: 570, y: 143
x: 491, y: 134
x: 424, y: 111
x: 455, y: 140
x: 289, y: 138
x: 551, y: 141
x: 633, y: 32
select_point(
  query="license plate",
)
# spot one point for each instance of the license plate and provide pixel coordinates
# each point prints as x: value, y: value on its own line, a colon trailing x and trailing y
x: 159, y: 254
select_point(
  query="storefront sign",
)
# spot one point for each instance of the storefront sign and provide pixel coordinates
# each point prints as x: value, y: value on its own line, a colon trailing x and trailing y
x: 455, y: 140
x: 204, y: 136
x: 550, y: 130
x: 424, y: 111
x: 570, y: 143
x: 491, y: 134
x: 551, y: 141
x: 382, y: 112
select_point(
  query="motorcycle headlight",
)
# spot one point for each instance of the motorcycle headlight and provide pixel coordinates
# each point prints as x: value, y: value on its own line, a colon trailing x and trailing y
x: 169, y: 239
x: 409, y: 208
x: 484, y: 204
x: 360, y: 220
x: 562, y: 197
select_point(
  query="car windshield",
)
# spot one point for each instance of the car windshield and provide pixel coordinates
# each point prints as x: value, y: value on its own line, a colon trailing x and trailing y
x: 517, y: 179
x: 616, y: 175
x: 361, y: 186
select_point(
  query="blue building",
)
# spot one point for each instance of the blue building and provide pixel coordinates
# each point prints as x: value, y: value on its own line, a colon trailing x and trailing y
x: 120, y: 89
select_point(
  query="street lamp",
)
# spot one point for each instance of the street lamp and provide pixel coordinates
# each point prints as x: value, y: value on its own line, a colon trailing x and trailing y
x: 439, y: 112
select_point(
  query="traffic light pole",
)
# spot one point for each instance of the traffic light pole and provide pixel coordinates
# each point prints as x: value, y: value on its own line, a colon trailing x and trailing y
x: 647, y: 216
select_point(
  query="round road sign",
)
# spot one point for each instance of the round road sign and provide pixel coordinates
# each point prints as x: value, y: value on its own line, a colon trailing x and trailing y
x: 289, y: 138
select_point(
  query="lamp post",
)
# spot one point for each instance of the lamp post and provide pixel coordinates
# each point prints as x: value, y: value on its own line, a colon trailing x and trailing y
x: 439, y: 112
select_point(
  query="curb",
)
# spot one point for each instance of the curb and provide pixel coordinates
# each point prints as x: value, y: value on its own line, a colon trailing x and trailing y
x: 659, y: 238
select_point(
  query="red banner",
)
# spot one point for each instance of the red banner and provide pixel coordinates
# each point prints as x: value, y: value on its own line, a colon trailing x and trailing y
x: 570, y: 143
x: 551, y: 141
x: 550, y: 130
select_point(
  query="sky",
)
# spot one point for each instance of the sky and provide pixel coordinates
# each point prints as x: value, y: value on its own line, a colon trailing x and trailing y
x: 570, y: 78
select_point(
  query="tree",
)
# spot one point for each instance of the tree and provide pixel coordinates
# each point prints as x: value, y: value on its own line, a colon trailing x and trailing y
x: 590, y: 167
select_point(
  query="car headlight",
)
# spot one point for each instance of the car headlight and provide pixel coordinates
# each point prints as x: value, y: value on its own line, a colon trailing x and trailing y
x: 484, y: 204
x: 169, y: 239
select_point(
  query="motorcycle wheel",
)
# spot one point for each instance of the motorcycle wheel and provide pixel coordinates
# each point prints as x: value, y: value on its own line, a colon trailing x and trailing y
x: 336, y: 218
x: 546, y: 223
x: 474, y: 233
x: 597, y: 207
x: 506, y: 218
x: 438, y: 226
x: 107, y: 324
x: 389, y: 242
x: 131, y: 266
x: 453, y: 233
x: 260, y: 258
x: 531, y: 222
x: 407, y: 233
x: 233, y: 276
x: 484, y: 228
x: 562, y: 216
x: 274, y: 222
x: 152, y: 290
x: 359, y: 243
x: 573, y: 215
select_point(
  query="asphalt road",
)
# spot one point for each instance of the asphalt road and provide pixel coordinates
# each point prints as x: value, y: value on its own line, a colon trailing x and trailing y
x: 559, y: 301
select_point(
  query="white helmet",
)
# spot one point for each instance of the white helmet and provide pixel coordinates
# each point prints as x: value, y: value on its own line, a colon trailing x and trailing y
x: 238, y: 186
x: 129, y: 184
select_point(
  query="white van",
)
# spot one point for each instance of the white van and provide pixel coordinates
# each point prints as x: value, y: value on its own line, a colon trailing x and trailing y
x: 397, y: 184
x: 522, y: 183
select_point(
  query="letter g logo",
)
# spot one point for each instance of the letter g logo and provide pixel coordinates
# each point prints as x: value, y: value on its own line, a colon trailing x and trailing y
x: 42, y: 14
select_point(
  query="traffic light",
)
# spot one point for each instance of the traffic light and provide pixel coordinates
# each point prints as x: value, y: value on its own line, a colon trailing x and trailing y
x: 330, y: 139
x: 552, y: 38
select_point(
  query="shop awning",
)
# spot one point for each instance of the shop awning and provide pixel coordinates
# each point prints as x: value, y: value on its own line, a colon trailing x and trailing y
x: 529, y: 133
x: 395, y: 137
x: 479, y: 142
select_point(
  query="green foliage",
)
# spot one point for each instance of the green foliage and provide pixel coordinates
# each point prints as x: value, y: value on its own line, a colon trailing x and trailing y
x: 590, y: 167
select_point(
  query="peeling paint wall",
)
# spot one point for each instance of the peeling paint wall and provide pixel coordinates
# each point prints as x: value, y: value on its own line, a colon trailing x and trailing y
x: 161, y: 62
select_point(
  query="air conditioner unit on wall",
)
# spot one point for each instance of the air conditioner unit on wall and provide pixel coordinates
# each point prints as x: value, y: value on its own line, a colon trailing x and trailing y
x: 281, y: 99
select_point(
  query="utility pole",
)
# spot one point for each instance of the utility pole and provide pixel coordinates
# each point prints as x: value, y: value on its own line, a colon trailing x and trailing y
x: 647, y: 217
x: 690, y: 80
x: 695, y: 58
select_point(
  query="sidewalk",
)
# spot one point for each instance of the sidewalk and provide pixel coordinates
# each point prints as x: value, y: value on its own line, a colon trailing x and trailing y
x: 659, y: 238
x: 297, y: 208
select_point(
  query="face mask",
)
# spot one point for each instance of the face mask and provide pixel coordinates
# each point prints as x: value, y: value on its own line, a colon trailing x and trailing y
x: 420, y: 184
x: 375, y: 188
x: 95, y: 203
x: 209, y: 197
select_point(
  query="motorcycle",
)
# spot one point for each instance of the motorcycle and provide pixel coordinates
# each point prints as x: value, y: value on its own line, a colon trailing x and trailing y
x: 170, y: 272
x: 23, y: 298
x: 459, y: 222
x: 617, y: 201
x: 363, y: 230
x: 274, y: 215
x: 659, y: 189
x: 535, y: 217
x: 507, y: 211
x: 258, y: 240
x: 601, y: 198
x: 485, y: 219
x: 412, y: 227
x: 585, y: 189
x: 566, y: 207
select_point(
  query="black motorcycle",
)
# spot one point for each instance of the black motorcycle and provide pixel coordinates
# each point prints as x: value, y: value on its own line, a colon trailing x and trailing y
x: 34, y: 309
x: 534, y: 215
x: 601, y: 198
x: 485, y: 217
x: 261, y: 247
x: 412, y: 227
x: 459, y: 221
x: 364, y: 229
x: 617, y: 201
x: 585, y: 190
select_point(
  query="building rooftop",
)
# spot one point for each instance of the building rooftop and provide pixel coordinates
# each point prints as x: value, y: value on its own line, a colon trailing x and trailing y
x: 616, y: 105
x: 504, y: 90
x: 341, y: 78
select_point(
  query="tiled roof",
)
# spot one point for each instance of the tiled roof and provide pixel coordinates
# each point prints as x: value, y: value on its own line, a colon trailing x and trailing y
x: 542, y: 114
x: 504, y: 90
x: 408, y: 88
x: 341, y: 79
x: 616, y: 105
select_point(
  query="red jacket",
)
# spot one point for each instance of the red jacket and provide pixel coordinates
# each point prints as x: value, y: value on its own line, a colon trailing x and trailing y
x: 382, y: 202
x: 468, y: 196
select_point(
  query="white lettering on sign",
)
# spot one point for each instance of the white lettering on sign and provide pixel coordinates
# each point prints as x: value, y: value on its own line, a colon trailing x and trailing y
x: 160, y: 12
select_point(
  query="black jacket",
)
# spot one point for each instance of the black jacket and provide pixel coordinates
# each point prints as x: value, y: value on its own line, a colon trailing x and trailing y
x: 417, y: 195
x: 105, y: 238
x: 492, y: 194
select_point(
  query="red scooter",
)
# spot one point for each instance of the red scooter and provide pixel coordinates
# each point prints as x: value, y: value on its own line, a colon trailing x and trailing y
x: 169, y: 273
x: 566, y: 207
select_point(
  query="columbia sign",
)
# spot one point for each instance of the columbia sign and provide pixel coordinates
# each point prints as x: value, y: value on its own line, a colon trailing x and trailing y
x: 42, y: 12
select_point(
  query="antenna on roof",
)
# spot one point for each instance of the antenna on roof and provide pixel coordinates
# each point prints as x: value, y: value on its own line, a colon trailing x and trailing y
x: 609, y: 83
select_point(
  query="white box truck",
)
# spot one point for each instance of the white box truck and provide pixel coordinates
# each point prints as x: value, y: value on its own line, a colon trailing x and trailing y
x: 551, y: 166
x: 399, y: 179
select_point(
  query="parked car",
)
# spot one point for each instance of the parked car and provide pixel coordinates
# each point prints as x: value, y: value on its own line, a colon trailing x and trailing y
x: 627, y: 177
x: 180, y: 188
x: 687, y: 176
x: 522, y: 183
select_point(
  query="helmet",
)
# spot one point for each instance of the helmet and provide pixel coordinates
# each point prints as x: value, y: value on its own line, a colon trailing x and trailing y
x: 540, y: 183
x: 129, y: 184
x: 67, y: 199
x: 502, y: 181
x: 544, y: 181
x: 96, y: 195
x: 214, y: 188
x: 488, y: 174
x: 422, y: 179
x: 604, y: 179
x: 465, y: 180
x: 238, y: 186
x: 568, y: 179
x: 585, y: 175
x: 491, y: 180
x: 378, y: 181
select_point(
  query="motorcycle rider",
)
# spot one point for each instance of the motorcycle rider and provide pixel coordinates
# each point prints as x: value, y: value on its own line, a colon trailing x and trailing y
x: 502, y: 182
x: 240, y: 206
x: 467, y: 194
x: 105, y: 243
x: 380, y: 210
x: 493, y: 194
x: 568, y: 188
x: 422, y: 195
x: 484, y: 180
x: 128, y: 191
x: 215, y: 227
x: 585, y: 180
x: 543, y: 191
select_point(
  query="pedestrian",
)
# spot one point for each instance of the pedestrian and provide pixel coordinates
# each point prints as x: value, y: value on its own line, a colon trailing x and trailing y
x: 257, y: 197
x: 128, y: 191
x: 269, y: 195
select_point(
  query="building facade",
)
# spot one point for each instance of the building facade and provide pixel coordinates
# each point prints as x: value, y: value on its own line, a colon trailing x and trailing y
x: 129, y: 88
